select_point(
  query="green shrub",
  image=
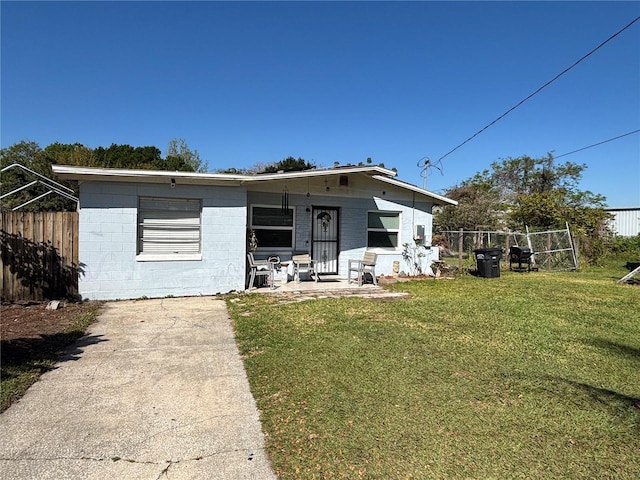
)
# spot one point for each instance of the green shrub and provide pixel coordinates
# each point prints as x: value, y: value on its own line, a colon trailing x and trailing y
x: 624, y: 248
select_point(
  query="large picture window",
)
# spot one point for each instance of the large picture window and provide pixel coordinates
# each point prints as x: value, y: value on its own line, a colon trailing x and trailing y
x: 273, y: 226
x: 383, y: 229
x: 169, y: 228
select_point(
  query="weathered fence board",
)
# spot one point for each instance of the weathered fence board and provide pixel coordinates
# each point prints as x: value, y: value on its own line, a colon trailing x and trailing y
x: 39, y: 255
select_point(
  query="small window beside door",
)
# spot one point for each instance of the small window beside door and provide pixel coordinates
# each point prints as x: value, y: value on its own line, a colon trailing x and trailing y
x: 383, y: 230
x: 273, y: 226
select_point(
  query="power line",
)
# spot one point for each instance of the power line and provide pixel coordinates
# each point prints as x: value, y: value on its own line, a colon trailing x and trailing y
x: 596, y: 144
x: 539, y: 89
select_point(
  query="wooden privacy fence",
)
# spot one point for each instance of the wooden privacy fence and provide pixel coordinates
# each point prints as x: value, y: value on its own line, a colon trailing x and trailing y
x: 39, y: 255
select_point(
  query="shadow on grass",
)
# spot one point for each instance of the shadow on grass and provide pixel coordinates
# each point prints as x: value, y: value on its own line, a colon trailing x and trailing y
x: 619, y: 349
x: 616, y: 403
x: 603, y: 395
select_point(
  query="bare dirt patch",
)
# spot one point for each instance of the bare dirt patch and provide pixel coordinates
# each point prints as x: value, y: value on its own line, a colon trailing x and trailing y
x: 27, y: 328
x: 32, y: 338
x: 32, y: 319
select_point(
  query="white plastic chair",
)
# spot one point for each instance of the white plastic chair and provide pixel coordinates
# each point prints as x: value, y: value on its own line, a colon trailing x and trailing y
x: 360, y: 267
x: 257, y: 269
x: 303, y: 262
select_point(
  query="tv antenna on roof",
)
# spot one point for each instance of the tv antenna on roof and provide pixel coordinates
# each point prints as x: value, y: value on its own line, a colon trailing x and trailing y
x: 425, y: 164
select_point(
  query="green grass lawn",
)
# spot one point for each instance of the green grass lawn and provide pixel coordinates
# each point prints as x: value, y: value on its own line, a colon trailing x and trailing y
x: 532, y: 375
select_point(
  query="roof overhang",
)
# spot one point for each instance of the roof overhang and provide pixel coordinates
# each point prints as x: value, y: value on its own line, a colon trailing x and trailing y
x: 69, y: 172
x: 620, y: 209
x: 433, y: 197
x: 323, y: 172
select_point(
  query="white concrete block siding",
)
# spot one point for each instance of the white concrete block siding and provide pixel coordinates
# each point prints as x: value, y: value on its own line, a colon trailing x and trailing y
x: 109, y: 198
x: 353, y: 226
x: 354, y: 232
x: 108, y: 243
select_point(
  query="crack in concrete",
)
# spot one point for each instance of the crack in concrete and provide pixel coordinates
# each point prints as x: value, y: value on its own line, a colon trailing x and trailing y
x: 163, y: 473
x: 167, y: 315
x: 85, y: 458
x: 171, y: 463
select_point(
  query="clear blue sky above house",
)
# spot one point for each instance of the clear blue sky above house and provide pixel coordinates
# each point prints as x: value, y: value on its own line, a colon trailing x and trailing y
x: 246, y: 83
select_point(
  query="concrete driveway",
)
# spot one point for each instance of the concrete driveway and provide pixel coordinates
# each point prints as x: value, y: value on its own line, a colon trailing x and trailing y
x: 155, y: 390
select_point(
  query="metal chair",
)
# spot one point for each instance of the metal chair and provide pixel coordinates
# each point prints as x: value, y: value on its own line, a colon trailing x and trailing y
x: 360, y: 267
x: 521, y: 256
x: 303, y: 262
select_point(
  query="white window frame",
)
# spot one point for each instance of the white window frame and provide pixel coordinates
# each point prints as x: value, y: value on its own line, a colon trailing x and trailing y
x: 397, y: 231
x: 158, y: 213
x: 292, y: 228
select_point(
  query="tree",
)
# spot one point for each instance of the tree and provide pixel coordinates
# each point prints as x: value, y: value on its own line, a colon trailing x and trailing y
x: 540, y: 193
x: 289, y: 164
x: 30, y: 155
x: 69, y: 154
x: 543, y: 210
x: 126, y: 156
x: 23, y: 152
x: 185, y: 159
x: 535, y: 192
x: 478, y: 208
x: 524, y: 175
x: 179, y: 157
x: 525, y: 191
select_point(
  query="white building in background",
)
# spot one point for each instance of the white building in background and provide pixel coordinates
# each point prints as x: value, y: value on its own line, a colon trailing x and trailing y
x: 626, y: 221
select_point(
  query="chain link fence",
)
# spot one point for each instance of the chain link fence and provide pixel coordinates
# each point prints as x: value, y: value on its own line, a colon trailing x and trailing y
x: 553, y: 250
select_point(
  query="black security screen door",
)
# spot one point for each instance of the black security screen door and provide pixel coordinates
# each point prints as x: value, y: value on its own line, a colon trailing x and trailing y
x: 325, y: 228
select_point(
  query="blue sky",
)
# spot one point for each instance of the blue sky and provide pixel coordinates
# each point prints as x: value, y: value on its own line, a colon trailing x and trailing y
x: 246, y: 83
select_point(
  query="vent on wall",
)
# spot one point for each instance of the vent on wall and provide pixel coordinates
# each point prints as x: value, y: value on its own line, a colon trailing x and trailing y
x: 344, y: 181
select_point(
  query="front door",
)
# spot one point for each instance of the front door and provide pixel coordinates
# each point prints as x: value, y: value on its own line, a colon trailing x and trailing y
x: 324, y: 233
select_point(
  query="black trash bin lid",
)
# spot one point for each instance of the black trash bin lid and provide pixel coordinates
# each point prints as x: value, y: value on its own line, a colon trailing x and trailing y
x: 492, y: 251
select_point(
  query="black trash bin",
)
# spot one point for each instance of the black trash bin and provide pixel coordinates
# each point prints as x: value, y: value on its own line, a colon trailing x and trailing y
x: 488, y: 261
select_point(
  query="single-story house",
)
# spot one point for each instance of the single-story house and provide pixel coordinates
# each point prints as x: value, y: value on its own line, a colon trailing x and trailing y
x: 158, y: 233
